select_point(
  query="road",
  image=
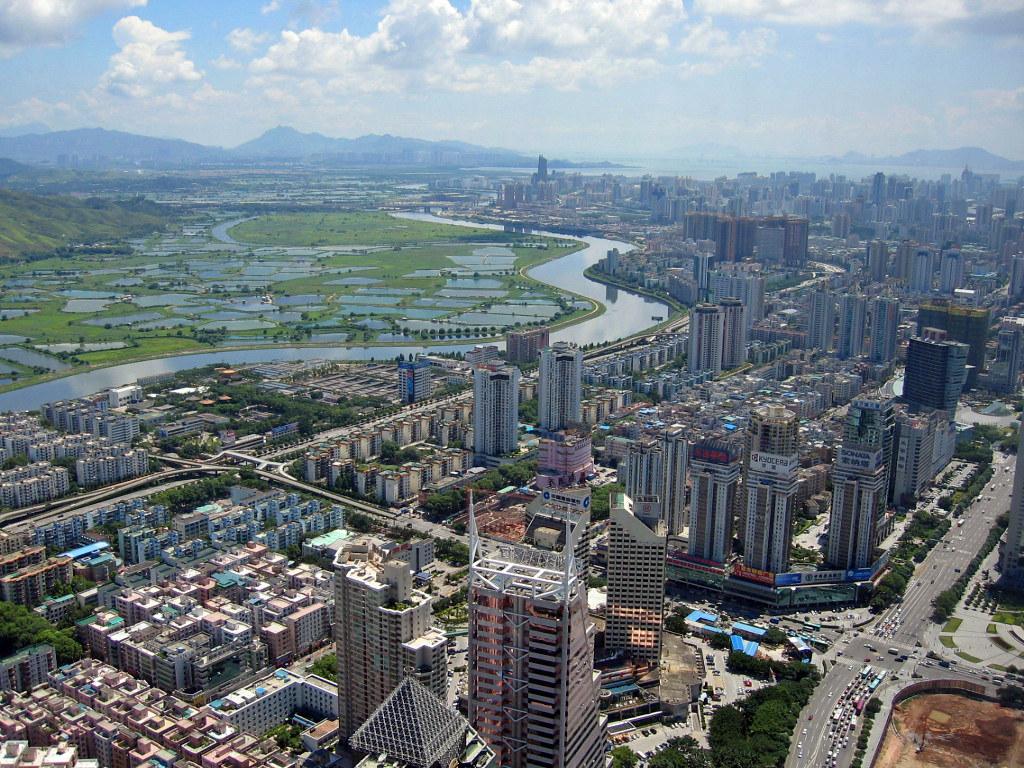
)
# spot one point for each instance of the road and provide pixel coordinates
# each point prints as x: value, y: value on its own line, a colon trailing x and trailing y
x: 904, y: 627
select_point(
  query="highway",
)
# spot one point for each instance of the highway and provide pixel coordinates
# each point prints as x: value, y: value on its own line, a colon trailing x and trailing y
x: 904, y: 627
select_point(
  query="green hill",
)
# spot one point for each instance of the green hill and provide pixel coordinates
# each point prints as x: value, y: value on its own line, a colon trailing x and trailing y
x: 30, y: 224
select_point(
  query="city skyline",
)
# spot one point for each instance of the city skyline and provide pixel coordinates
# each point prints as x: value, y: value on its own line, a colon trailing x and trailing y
x: 436, y: 70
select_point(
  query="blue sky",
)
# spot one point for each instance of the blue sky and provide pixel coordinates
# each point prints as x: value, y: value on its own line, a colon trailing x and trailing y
x: 576, y: 78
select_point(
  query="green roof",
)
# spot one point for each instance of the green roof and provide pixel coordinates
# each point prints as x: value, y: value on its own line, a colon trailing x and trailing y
x: 326, y: 539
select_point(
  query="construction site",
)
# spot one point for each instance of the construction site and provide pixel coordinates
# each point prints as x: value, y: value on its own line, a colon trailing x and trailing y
x: 951, y: 731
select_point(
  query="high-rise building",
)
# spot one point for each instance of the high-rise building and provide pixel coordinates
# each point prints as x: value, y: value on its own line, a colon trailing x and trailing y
x: 654, y: 473
x: 878, y: 260
x: 533, y: 690
x: 878, y: 189
x: 636, y: 583
x: 495, y: 410
x: 821, y: 321
x: 885, y: 322
x: 951, y: 271
x: 771, y: 487
x: 935, y: 374
x: 968, y: 325
x: 795, y: 247
x: 852, y: 323
x: 560, y: 386
x: 522, y: 347
x: 715, y: 467
x: 1004, y: 375
x: 382, y: 631
x: 1016, y: 288
x: 1011, y: 552
x: 921, y: 269
x: 705, y: 352
x: 542, y: 168
x: 734, y: 333
x: 860, y: 483
x: 903, y: 265
x: 414, y: 380
x: 701, y: 273
x: 748, y: 287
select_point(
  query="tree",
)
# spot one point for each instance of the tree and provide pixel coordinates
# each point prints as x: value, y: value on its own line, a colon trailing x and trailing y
x: 1011, y: 696
x: 326, y: 666
x: 624, y: 757
x: 720, y: 641
x: 774, y: 636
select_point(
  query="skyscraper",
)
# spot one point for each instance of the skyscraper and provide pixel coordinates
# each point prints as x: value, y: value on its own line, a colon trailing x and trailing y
x: 936, y: 372
x: 860, y: 483
x: 495, y: 410
x: 560, y: 386
x: 414, y: 380
x: 821, y: 321
x: 701, y: 273
x: 734, y: 333
x: 533, y: 691
x: 921, y: 269
x: 968, y: 325
x: 1016, y: 288
x: 771, y: 486
x: 715, y: 468
x: 878, y: 260
x: 382, y: 631
x: 654, y: 471
x: 748, y: 287
x: 705, y: 352
x: 951, y: 271
x: 852, y: 323
x: 1006, y: 369
x: 636, y: 583
x: 885, y: 321
x: 795, y: 246
x: 1011, y: 552
x: 523, y: 346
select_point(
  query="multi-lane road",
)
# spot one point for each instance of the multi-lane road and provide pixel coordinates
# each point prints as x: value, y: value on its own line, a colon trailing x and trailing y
x: 904, y: 627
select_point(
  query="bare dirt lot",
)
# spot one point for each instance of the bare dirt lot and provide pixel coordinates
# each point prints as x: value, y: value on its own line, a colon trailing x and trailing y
x: 958, y: 733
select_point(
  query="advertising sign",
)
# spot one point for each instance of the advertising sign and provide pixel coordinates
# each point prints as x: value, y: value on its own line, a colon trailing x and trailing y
x: 851, y: 457
x: 753, y: 574
x: 773, y: 463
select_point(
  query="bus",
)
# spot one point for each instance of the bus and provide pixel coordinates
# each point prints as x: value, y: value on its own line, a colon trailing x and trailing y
x: 812, y: 626
x: 866, y: 672
x: 859, y: 706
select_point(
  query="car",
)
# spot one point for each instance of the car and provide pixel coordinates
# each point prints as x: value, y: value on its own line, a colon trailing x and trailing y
x: 747, y: 683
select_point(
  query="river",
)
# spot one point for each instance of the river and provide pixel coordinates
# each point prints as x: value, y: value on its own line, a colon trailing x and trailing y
x: 626, y: 314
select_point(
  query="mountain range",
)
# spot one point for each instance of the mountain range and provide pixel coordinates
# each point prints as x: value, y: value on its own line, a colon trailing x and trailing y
x: 92, y: 147
x: 975, y: 158
x: 98, y: 147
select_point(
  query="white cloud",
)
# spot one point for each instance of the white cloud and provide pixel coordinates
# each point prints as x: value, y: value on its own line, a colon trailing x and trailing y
x: 705, y: 40
x: 246, y: 40
x: 271, y: 7
x: 1011, y: 100
x: 27, y: 23
x: 502, y: 46
x: 995, y: 17
x: 149, y: 59
x: 226, y: 62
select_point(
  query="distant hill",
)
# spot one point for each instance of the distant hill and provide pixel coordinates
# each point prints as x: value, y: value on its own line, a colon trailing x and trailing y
x: 975, y: 158
x: 24, y: 129
x: 30, y: 224
x: 10, y: 168
x: 290, y: 144
x: 96, y: 146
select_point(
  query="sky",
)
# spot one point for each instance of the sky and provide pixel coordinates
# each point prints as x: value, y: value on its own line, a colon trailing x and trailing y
x: 583, y: 79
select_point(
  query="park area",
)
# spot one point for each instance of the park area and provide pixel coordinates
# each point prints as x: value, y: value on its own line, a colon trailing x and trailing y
x: 958, y: 732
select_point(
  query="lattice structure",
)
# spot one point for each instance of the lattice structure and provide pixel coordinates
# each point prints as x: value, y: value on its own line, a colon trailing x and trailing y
x: 414, y: 726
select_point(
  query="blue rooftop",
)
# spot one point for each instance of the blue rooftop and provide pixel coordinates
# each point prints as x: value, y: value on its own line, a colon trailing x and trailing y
x: 748, y: 647
x: 702, y: 616
x: 750, y: 629
x: 88, y: 549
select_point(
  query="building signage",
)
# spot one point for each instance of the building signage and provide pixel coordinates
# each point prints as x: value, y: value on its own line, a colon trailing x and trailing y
x: 753, y: 574
x: 773, y: 463
x: 712, y: 455
x: 855, y: 459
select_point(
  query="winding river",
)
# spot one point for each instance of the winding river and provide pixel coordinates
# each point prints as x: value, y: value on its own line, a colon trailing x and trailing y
x: 626, y: 313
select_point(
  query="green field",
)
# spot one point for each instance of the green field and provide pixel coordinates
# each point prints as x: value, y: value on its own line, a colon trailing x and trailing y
x: 952, y: 625
x: 356, y: 228
x: 947, y: 641
x: 183, y: 290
